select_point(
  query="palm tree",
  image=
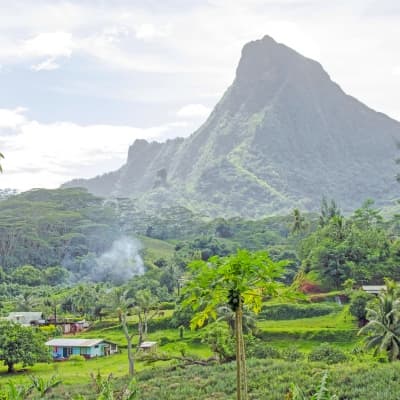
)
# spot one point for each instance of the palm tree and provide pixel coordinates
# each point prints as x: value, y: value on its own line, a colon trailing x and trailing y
x: 238, y: 280
x: 383, y: 327
x: 1, y: 156
x: 146, y: 308
x: 299, y: 222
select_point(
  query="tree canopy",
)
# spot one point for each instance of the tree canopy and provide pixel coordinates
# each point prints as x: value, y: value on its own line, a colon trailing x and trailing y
x: 19, y: 344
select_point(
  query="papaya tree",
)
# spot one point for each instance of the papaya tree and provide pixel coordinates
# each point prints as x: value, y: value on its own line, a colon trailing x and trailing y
x: 241, y: 279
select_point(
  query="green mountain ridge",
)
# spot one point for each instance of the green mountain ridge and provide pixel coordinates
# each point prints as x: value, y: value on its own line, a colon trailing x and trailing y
x: 282, y: 136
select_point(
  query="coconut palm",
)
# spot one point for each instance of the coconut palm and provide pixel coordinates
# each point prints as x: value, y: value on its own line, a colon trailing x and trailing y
x: 241, y: 279
x: 299, y: 222
x: 383, y: 328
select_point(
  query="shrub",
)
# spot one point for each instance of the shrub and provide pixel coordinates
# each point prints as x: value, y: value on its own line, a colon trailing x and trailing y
x: 265, y: 351
x: 164, y: 340
x: 221, y: 342
x: 292, y: 354
x: 327, y: 353
x: 358, y: 303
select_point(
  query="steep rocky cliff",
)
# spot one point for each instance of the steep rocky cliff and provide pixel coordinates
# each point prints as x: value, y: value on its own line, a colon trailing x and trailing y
x: 282, y: 136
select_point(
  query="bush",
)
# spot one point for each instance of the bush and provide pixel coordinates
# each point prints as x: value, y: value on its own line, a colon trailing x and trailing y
x: 296, y: 311
x: 292, y: 354
x: 327, y: 353
x: 265, y: 351
x: 164, y: 340
x: 358, y: 303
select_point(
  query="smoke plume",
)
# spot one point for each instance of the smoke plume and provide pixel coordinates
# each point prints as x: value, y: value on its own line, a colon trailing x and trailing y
x: 120, y: 263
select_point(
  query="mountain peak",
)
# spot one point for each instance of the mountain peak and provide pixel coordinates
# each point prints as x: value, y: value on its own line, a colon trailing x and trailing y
x: 283, y: 135
x: 266, y: 59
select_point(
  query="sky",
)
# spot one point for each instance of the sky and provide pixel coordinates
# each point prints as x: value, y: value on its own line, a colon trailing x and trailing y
x: 81, y: 80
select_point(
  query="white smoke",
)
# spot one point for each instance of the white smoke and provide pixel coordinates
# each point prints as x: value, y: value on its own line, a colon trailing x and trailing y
x: 120, y: 263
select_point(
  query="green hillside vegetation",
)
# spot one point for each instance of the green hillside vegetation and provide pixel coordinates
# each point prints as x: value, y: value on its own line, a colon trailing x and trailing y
x: 328, y: 257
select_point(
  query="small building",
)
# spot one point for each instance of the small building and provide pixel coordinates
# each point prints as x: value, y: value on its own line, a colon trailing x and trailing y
x: 68, y: 325
x: 62, y: 349
x: 373, y: 289
x: 26, y: 318
x: 148, y: 346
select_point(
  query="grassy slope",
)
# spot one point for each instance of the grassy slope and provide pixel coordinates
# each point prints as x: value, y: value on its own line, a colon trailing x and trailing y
x: 155, y: 249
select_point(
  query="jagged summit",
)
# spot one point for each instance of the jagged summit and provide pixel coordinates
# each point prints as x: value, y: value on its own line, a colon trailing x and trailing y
x: 283, y: 135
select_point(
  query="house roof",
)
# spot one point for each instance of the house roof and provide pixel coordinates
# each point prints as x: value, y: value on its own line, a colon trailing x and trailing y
x: 60, y: 342
x: 373, y: 289
x: 25, y: 318
x: 146, y: 345
x: 32, y: 316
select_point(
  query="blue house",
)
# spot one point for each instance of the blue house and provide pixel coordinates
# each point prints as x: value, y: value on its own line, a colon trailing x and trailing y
x: 62, y: 349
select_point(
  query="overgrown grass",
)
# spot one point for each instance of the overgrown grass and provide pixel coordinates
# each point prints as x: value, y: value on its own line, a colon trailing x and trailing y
x: 268, y: 380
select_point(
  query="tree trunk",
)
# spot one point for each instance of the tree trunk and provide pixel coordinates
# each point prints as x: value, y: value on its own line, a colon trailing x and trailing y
x: 241, y: 375
x: 238, y: 358
x: 130, y: 358
x: 10, y: 369
x: 128, y: 338
x: 145, y: 325
x: 140, y: 329
x: 243, y: 356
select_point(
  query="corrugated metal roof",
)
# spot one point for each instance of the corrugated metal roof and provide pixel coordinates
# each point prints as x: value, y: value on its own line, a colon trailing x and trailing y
x: 147, y: 344
x: 74, y: 342
x: 374, y: 289
x: 33, y: 315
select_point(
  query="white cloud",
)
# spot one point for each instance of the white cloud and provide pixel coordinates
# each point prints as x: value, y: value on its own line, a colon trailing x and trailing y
x: 46, y: 65
x: 53, y: 44
x: 194, y: 111
x: 150, y: 31
x: 12, y: 118
x: 46, y: 155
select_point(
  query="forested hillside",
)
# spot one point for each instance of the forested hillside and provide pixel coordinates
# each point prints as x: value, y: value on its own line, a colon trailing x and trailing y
x: 47, y: 228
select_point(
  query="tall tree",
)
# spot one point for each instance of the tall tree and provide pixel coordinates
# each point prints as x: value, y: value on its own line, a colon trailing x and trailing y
x: 329, y: 209
x: 241, y: 279
x: 1, y: 156
x: 122, y: 303
x: 299, y: 222
x: 146, y: 308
